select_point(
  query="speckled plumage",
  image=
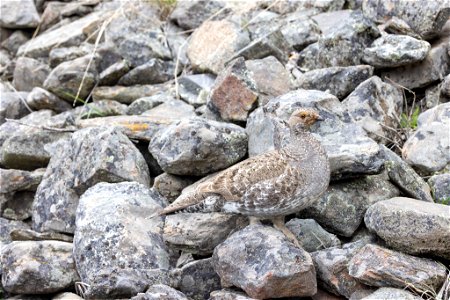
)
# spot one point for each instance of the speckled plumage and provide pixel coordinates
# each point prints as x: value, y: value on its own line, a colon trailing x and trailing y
x: 273, y: 184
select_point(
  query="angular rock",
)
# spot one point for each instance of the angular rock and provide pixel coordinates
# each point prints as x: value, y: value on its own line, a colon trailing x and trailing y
x: 378, y: 266
x: 38, y: 267
x: 18, y: 180
x: 439, y: 113
x: 191, y: 152
x: 233, y: 95
x: 191, y: 14
x: 440, y: 187
x: 19, y: 14
x: 18, y: 206
x: 445, y: 88
x: 153, y: 71
x: 197, y: 279
x: 411, y: 226
x: 65, y: 80
x: 311, y: 235
x: 14, y: 41
x: 228, y: 295
x: 393, y: 50
x: 7, y: 226
x: 391, y: 293
x: 396, y: 25
x: 375, y: 106
x: 21, y: 234
x: 349, y: 149
x: 332, y: 269
x: 71, y: 34
x: 39, y: 99
x: 338, y: 81
x: 261, y: 261
x: 405, y: 177
x: 92, y: 155
x: 136, y: 34
x: 199, y: 233
x: 170, y: 186
x: 112, y: 74
x: 328, y: 21
x: 434, y: 67
x: 146, y: 103
x: 103, y: 108
x: 126, y: 94
x: 63, y: 54
x: 67, y: 296
x: 425, y: 18
x: 342, y: 46
x: 120, y: 213
x: 160, y: 291
x: 202, y: 49
x: 195, y: 88
x: 27, y: 151
x: 270, y: 77
x: 172, y: 110
x: 342, y: 207
x: 299, y: 32
x: 13, y: 106
x: 29, y: 73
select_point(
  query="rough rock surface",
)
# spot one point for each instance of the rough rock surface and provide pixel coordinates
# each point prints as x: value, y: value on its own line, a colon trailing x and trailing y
x: 18, y: 180
x: 112, y: 215
x: 228, y: 295
x: 199, y: 233
x: 311, y: 235
x: 195, y: 88
x: 391, y: 293
x: 153, y: 71
x: 39, y: 99
x: 13, y: 106
x: 160, y: 291
x: 378, y: 266
x: 395, y: 50
x: 191, y: 153
x: 7, y: 226
x: 287, y: 271
x: 170, y: 186
x: 411, y: 226
x: 37, y: 267
x: 29, y: 73
x: 19, y: 14
x: 338, y: 81
x: 440, y: 187
x: 191, y: 14
x: 92, y: 155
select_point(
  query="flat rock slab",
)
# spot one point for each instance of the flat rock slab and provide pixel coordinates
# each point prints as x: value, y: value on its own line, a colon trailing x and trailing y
x: 393, y: 50
x: 160, y: 291
x: 190, y: 153
x: 199, y: 233
x: 261, y: 261
x: 18, y: 180
x: 411, y: 226
x: 378, y: 266
x: 391, y: 293
x: 92, y: 155
x: 229, y: 295
x: 116, y: 245
x: 126, y: 94
x: 38, y: 267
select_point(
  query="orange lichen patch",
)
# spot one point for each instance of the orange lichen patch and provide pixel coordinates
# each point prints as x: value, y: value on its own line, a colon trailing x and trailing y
x: 136, y: 127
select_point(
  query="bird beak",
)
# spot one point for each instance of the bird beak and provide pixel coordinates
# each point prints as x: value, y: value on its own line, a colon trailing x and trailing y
x: 320, y: 118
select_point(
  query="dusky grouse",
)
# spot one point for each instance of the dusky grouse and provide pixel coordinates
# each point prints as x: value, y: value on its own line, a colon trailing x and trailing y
x: 270, y: 185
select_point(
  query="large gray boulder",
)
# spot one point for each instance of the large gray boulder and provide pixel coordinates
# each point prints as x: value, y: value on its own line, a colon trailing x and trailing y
x: 92, y: 155
x: 411, y: 226
x: 45, y: 267
x: 117, y: 247
x: 261, y: 261
x: 19, y: 14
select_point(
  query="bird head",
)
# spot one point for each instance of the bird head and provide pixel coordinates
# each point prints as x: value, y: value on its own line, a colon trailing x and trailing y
x: 303, y: 118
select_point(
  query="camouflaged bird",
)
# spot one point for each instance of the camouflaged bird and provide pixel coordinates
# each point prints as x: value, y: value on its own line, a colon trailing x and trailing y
x: 270, y: 185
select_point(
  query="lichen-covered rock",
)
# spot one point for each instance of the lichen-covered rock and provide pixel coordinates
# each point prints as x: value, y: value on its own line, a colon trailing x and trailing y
x: 440, y: 187
x: 342, y: 46
x: 199, y: 233
x: 7, y: 226
x: 203, y: 52
x: 233, y: 95
x: 393, y: 50
x: 62, y: 54
x: 29, y: 73
x: 411, y: 226
x: 126, y: 94
x: 300, y: 32
x: 311, y: 235
x: 170, y: 186
x: 445, y: 88
x: 349, y: 149
x: 261, y: 261
x: 375, y: 105
x: 66, y: 79
x: 439, y: 113
x: 13, y: 106
x: 19, y: 14
x: 332, y: 269
x: 18, y: 206
x: 195, y: 88
x: 102, y: 108
x: 22, y: 234
x: 146, y: 103
x: 405, y: 177
x: 338, y: 81
x: 18, y: 180
x: 196, y: 279
x: 116, y: 245
x: 153, y: 71
x: 226, y: 294
x: 391, y: 293
x: 191, y: 14
x: 112, y: 74
x: 396, y: 25
x: 190, y: 153
x: 378, y: 266
x: 342, y: 207
x: 172, y: 109
x: 92, y: 155
x: 160, y: 291
x: 426, y: 18
x: 39, y: 99
x: 38, y: 267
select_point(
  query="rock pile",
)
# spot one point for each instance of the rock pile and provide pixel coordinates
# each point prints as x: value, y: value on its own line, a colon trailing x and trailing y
x: 111, y: 109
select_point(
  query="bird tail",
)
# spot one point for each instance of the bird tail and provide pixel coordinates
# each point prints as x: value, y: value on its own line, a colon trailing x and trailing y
x: 183, y: 201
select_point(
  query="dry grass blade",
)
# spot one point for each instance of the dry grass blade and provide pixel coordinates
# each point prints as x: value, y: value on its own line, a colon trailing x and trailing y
x: 20, y: 97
